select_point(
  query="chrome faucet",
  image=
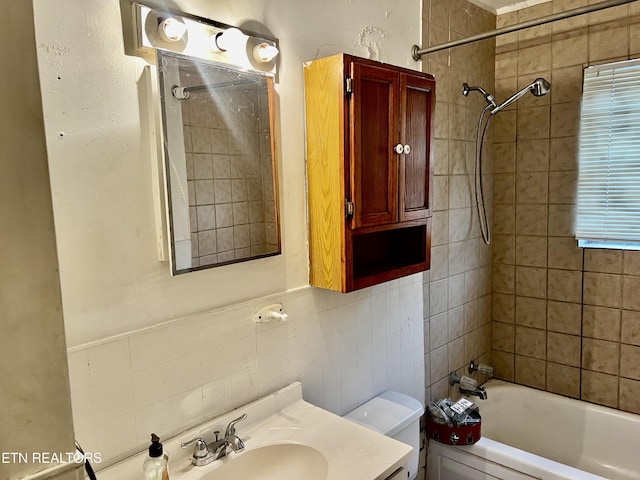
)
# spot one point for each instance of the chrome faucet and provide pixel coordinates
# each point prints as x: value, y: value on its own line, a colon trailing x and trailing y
x: 204, y: 454
x: 467, y: 386
x: 230, y: 440
x: 479, y: 392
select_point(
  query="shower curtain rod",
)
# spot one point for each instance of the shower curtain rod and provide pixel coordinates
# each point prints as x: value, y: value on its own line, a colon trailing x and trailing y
x: 417, y: 52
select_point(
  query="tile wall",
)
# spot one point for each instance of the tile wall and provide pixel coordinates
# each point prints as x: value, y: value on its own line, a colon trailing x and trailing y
x: 564, y: 320
x: 457, y: 290
x: 343, y: 348
x: 229, y: 171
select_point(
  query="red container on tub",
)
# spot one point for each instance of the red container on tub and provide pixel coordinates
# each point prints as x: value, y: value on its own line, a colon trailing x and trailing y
x: 461, y: 435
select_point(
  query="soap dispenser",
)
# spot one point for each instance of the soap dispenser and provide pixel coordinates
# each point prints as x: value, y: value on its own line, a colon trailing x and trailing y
x: 156, y: 464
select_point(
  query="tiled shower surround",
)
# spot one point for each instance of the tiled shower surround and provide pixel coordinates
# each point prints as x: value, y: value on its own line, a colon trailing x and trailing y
x: 564, y: 320
x: 229, y: 171
x: 457, y: 290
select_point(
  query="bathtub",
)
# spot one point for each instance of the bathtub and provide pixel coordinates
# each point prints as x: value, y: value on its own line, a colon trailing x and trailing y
x: 527, y: 433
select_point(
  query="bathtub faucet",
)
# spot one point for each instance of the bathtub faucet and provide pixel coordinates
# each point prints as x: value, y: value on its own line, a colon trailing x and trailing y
x: 479, y: 392
x: 467, y: 386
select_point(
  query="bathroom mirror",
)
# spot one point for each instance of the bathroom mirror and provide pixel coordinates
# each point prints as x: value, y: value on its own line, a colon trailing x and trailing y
x: 219, y: 163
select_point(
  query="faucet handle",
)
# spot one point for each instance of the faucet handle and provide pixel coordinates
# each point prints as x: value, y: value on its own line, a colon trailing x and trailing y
x: 200, y: 449
x: 231, y: 428
x: 480, y: 368
x: 468, y: 383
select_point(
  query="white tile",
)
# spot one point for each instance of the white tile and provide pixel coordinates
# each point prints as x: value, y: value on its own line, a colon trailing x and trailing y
x: 148, y: 349
x: 332, y: 401
x: 150, y: 386
x: 407, y: 362
x: 212, y: 330
x: 293, y: 305
x: 182, y: 339
x: 379, y: 378
x: 306, y: 357
x: 183, y: 374
x: 392, y: 300
x: 348, y: 352
x: 155, y: 418
x: 108, y: 361
x: 79, y: 372
x: 349, y: 392
x: 304, y: 330
x: 112, y: 399
x: 270, y: 373
x: 312, y: 390
x: 273, y: 341
x: 331, y: 376
x: 244, y: 386
x: 237, y: 352
x: 240, y: 322
x: 116, y: 436
x: 216, y: 397
x: 187, y: 408
x: 365, y: 385
x: 82, y: 407
x: 394, y: 366
x: 394, y: 341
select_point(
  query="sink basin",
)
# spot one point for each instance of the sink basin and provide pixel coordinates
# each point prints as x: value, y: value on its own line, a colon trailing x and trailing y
x: 285, y: 461
x: 286, y: 438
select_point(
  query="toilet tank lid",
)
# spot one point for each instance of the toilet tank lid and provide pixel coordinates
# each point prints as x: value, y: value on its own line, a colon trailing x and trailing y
x: 388, y: 413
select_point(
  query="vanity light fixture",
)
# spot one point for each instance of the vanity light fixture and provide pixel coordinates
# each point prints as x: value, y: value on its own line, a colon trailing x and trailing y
x: 202, y: 38
x: 172, y: 29
x: 264, y: 52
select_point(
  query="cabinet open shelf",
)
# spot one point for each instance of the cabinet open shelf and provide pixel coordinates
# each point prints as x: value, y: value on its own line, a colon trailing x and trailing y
x: 389, y: 254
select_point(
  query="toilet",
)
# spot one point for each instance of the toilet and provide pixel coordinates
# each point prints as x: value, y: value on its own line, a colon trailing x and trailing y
x: 395, y: 415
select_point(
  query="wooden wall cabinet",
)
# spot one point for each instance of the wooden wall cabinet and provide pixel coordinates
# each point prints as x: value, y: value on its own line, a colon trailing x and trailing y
x: 369, y: 151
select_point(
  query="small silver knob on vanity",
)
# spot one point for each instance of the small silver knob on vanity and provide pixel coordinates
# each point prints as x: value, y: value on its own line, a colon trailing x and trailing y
x: 399, y: 148
x: 407, y: 149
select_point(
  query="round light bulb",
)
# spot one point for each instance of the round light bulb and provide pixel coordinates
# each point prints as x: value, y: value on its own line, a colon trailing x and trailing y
x: 172, y: 29
x: 263, y: 52
x: 230, y: 39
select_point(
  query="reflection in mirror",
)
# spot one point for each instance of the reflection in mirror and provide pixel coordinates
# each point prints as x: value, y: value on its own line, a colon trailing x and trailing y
x: 219, y: 163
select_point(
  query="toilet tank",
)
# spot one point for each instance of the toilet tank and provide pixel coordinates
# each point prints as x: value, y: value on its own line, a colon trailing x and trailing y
x: 395, y: 415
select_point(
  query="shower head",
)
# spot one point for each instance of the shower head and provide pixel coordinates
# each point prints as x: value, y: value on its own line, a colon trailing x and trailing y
x: 538, y: 88
x: 487, y: 96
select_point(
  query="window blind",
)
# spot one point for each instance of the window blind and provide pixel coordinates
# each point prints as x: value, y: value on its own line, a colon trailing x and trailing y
x: 608, y: 213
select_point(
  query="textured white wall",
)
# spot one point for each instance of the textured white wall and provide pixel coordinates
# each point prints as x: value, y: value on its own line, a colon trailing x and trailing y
x: 100, y: 163
x: 34, y: 389
x: 130, y: 375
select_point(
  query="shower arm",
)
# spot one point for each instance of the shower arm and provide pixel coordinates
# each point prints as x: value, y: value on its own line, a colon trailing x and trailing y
x: 511, y: 99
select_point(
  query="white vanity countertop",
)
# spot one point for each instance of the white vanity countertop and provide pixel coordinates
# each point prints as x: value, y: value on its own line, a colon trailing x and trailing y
x: 353, y: 452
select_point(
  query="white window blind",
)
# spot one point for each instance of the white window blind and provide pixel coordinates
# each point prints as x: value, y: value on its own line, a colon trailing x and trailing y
x: 608, y: 212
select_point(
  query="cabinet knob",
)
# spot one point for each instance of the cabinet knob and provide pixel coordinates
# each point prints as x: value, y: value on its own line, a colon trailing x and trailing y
x: 407, y: 149
x: 398, y: 148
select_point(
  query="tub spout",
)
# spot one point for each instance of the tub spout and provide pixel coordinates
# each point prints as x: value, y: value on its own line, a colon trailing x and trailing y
x: 479, y: 392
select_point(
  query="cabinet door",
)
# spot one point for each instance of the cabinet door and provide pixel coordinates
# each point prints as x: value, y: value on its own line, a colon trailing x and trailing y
x: 373, y: 134
x: 417, y: 103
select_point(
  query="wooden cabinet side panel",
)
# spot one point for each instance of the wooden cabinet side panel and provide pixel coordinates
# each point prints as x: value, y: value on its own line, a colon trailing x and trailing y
x: 324, y: 114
